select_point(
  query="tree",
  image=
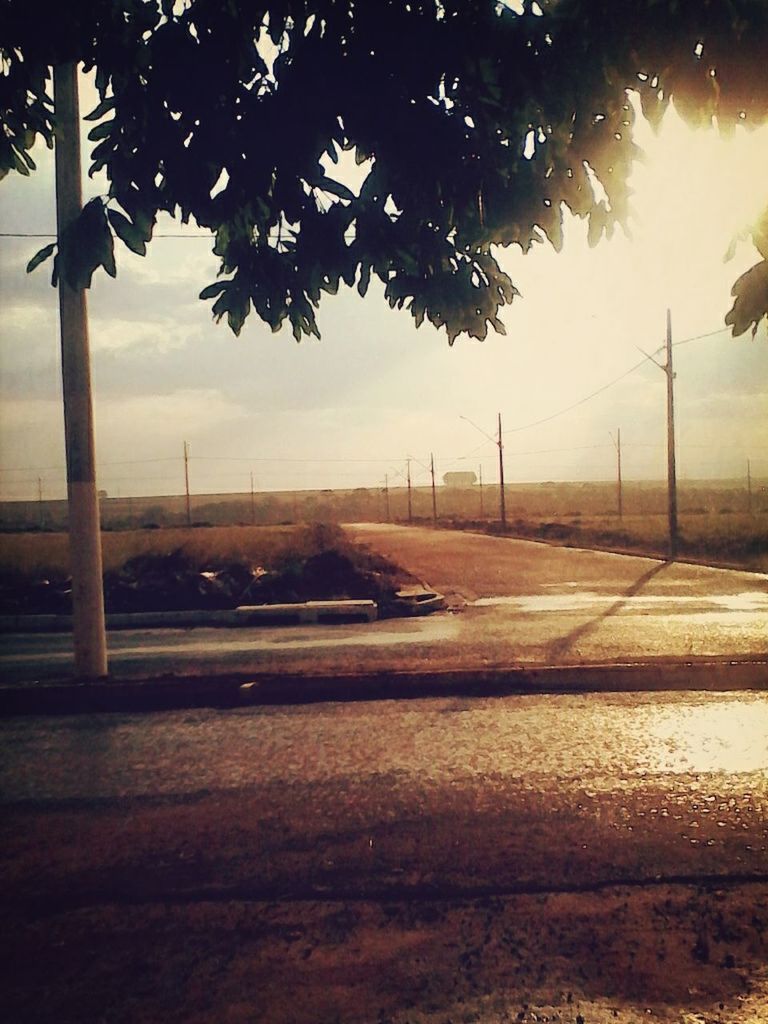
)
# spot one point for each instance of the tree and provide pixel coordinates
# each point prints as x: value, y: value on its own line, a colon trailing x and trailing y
x: 477, y: 124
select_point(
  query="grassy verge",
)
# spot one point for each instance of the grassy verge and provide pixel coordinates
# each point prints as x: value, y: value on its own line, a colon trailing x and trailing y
x: 734, y: 539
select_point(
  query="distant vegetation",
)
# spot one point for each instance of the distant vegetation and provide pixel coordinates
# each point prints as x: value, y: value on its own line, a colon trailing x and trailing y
x: 728, y: 539
x: 716, y: 523
x: 270, y: 546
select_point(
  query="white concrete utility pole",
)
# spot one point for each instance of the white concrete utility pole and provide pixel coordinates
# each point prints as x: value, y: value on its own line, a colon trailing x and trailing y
x: 671, y: 469
x: 88, y: 627
x: 502, y: 499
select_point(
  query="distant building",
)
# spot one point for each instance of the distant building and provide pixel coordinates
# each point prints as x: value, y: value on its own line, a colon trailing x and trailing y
x: 459, y: 479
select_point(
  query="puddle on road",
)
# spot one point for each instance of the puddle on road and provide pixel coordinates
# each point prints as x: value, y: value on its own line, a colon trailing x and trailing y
x: 748, y: 601
x: 710, y: 738
x: 410, y: 631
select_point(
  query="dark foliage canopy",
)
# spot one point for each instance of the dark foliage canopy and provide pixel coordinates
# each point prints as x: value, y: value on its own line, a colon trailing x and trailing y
x: 476, y: 125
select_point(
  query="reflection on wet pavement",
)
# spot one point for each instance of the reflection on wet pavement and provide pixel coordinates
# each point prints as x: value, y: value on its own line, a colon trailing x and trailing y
x: 752, y: 601
x: 711, y: 738
x: 603, y: 742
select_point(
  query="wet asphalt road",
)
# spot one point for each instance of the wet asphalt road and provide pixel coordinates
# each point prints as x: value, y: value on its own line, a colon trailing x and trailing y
x: 445, y: 796
x: 596, y: 859
x: 513, y: 603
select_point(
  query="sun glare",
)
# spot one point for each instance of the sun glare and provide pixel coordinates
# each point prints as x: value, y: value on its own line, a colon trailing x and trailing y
x: 695, y: 193
x: 714, y: 738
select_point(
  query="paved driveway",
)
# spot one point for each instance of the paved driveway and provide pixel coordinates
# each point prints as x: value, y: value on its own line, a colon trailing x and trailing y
x: 540, y: 603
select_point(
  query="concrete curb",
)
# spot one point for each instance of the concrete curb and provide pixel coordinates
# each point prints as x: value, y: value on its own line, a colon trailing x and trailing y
x: 419, y: 602
x: 245, y: 615
x: 247, y: 689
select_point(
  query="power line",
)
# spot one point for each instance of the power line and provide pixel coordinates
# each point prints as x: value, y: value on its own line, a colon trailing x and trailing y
x: 581, y: 401
x: 447, y: 461
x: 698, y: 337
x: 159, y: 234
x: 610, y: 384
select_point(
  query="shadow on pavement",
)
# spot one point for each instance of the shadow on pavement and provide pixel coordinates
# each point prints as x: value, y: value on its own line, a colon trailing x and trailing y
x: 675, y: 954
x: 560, y: 647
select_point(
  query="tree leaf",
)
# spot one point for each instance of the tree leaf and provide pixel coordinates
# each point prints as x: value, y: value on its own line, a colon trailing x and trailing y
x: 85, y: 245
x: 335, y: 188
x: 101, y: 109
x: 212, y: 290
x: 101, y: 131
x: 40, y: 257
x: 127, y: 232
x: 365, y: 278
x: 751, y: 300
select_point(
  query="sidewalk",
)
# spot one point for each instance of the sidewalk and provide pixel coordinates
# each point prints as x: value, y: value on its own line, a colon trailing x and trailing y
x: 241, y: 689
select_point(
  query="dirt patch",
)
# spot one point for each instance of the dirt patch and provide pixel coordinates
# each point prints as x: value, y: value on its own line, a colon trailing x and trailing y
x: 676, y: 954
x: 183, y: 580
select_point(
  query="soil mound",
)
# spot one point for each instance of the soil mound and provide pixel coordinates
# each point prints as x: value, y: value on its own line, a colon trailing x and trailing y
x: 176, y: 582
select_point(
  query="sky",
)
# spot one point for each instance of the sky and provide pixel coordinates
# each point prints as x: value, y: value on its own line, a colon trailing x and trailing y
x: 348, y: 411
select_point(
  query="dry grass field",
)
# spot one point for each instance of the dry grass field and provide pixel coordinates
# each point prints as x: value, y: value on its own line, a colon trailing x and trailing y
x: 714, y: 523
x: 729, y: 538
x: 38, y: 554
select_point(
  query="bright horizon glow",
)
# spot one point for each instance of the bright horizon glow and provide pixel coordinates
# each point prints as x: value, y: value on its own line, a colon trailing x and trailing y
x: 375, y: 389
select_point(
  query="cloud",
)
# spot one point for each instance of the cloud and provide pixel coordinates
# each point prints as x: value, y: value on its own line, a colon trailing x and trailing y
x: 159, y: 336
x: 32, y: 431
x: 377, y: 389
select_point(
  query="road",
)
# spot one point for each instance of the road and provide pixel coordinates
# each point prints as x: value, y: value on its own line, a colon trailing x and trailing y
x: 544, y: 603
x: 599, y: 855
x: 513, y: 603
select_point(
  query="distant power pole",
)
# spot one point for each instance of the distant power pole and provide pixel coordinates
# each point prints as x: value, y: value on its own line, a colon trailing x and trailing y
x: 253, y: 504
x: 88, y: 625
x: 40, y: 501
x: 749, y: 488
x: 408, y: 481
x: 482, y: 510
x: 502, y: 502
x: 386, y: 496
x: 499, y: 442
x: 671, y: 470
x: 434, y: 495
x: 186, y: 483
x: 617, y: 444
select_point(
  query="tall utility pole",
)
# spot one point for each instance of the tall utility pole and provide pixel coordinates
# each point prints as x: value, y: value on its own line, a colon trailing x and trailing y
x: 482, y: 510
x: 499, y: 442
x: 502, y: 502
x: 41, y: 514
x: 671, y: 470
x: 253, y: 504
x: 617, y: 444
x: 408, y: 481
x: 186, y: 483
x: 434, y: 494
x: 386, y: 496
x: 88, y: 626
x: 749, y: 488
